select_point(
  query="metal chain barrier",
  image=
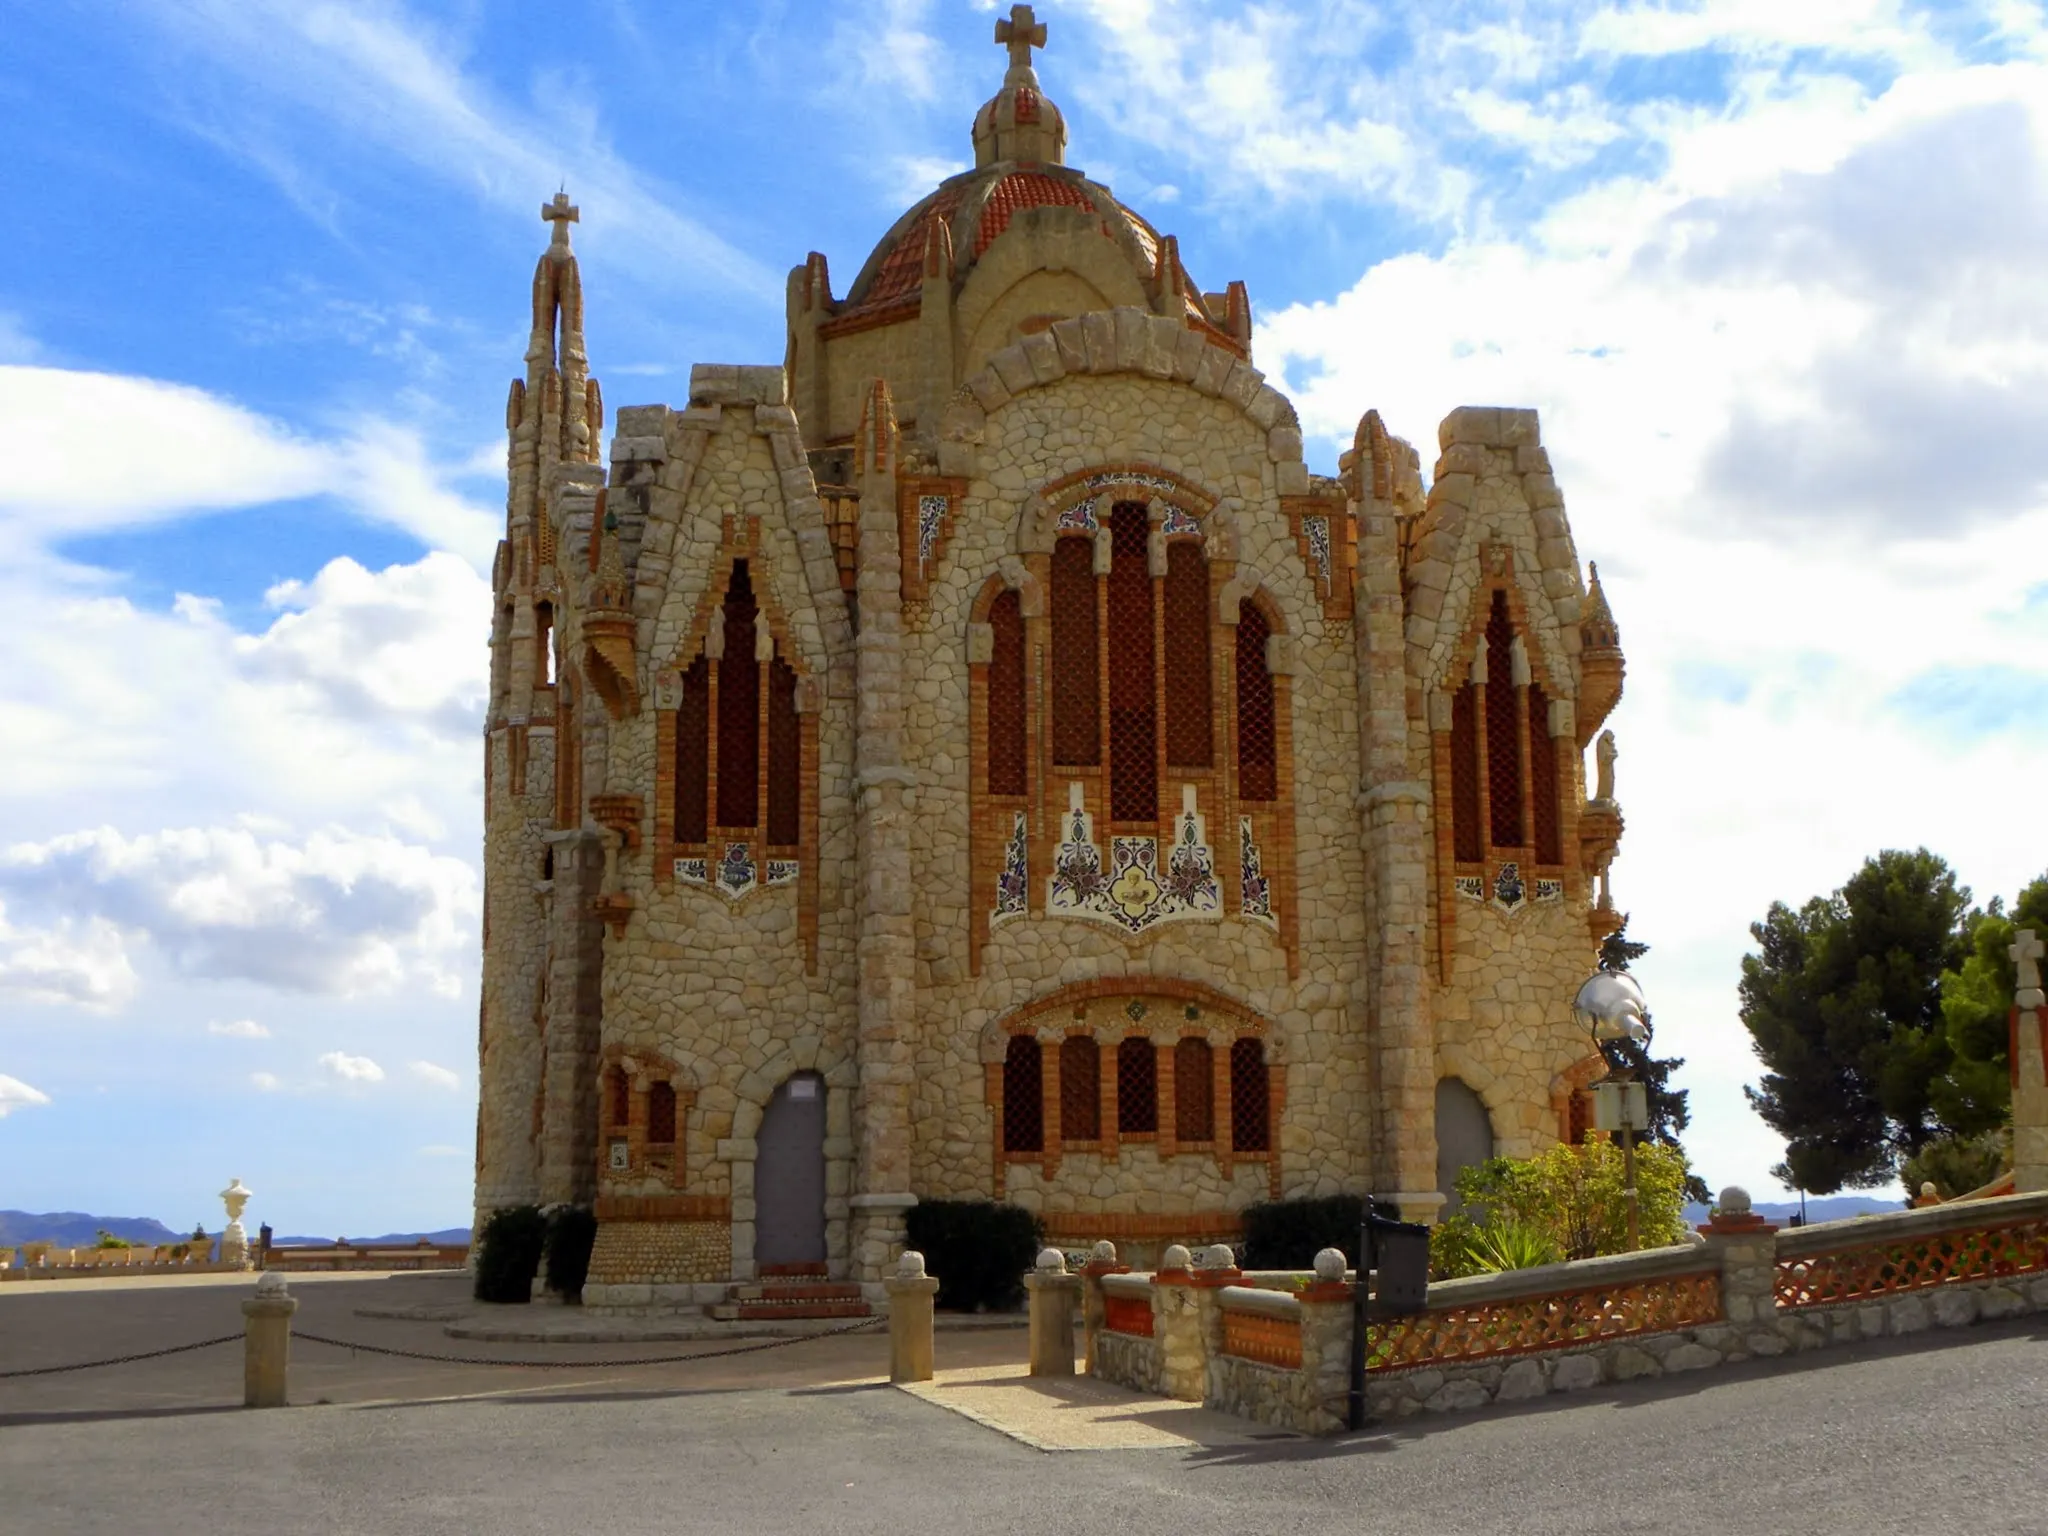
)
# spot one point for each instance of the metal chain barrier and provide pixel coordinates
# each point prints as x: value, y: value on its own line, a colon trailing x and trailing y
x: 147, y: 1354
x: 584, y: 1365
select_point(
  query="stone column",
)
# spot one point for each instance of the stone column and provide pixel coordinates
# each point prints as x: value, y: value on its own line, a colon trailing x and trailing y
x: 1101, y: 1262
x: 1326, y: 1340
x: 1215, y: 1267
x: 1053, y: 1294
x: 911, y: 1293
x: 571, y: 1031
x: 1395, y: 823
x: 2029, y: 1068
x: 1177, y: 1325
x: 1746, y: 1247
x: 887, y: 790
x: 267, y: 1340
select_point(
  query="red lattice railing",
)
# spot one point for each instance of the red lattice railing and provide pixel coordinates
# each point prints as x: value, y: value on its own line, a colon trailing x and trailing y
x: 693, y: 754
x: 1080, y: 1089
x: 1184, y: 603
x: 1258, y: 776
x: 1194, y: 1091
x: 1910, y: 1264
x: 1023, y: 1096
x: 1268, y: 1340
x: 1127, y: 1314
x: 1006, y: 697
x: 1543, y: 779
x: 1503, y: 729
x: 1251, y: 1128
x: 785, y: 756
x: 739, y: 708
x: 1133, y: 696
x: 1076, y: 679
x: 1468, y: 840
x: 1137, y: 1086
x: 1557, y: 1321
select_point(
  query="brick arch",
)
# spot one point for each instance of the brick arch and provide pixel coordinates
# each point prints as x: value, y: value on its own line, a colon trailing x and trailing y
x: 1030, y: 1017
x: 1101, y: 484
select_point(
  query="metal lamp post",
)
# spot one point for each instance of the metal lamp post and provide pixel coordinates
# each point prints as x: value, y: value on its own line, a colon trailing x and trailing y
x: 1610, y: 1006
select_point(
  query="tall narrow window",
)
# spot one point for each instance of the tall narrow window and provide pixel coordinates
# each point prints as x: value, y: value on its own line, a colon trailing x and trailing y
x: 693, y: 753
x: 661, y: 1114
x: 1251, y: 1127
x: 739, y: 708
x: 1137, y: 1087
x: 1194, y: 1092
x: 1023, y: 1096
x: 785, y: 753
x: 1503, y: 729
x: 544, y: 643
x: 1185, y: 604
x: 620, y: 1099
x: 1076, y: 697
x: 1080, y: 1089
x: 1543, y: 779
x: 1467, y: 837
x: 1258, y: 775
x: 1133, y: 697
x: 1006, y: 697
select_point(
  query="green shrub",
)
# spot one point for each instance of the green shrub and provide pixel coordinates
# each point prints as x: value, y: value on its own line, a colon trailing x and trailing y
x: 108, y: 1240
x: 508, y: 1253
x: 1573, y: 1196
x: 1955, y: 1165
x: 978, y: 1250
x: 1288, y: 1234
x: 572, y: 1230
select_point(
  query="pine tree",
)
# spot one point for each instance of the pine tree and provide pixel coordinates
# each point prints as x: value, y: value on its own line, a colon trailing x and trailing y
x: 1669, y: 1110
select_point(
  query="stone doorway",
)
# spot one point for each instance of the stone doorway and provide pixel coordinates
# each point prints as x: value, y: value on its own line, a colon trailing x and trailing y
x: 1464, y: 1136
x: 789, y: 1176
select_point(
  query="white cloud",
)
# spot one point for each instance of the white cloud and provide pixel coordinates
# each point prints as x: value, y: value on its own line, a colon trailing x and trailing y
x: 93, y: 451
x: 77, y: 961
x: 15, y: 1094
x: 238, y: 1029
x: 338, y: 913
x: 351, y: 1069
x: 265, y: 1082
x: 442, y: 1150
x: 436, y: 1076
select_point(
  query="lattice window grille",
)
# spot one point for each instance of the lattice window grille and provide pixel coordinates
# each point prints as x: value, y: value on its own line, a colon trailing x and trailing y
x: 1503, y: 729
x: 1137, y: 1087
x: 785, y: 756
x: 1023, y: 1096
x: 1006, y: 732
x: 1251, y: 1127
x: 1194, y: 1091
x: 1133, y: 697
x: 739, y: 705
x: 661, y: 1114
x: 1185, y: 601
x: 1076, y: 660
x: 1467, y: 836
x: 1543, y: 780
x: 693, y: 754
x: 1257, y: 711
x: 1080, y: 1089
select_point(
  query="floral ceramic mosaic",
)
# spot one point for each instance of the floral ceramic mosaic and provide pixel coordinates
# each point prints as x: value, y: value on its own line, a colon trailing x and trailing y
x: 1134, y: 893
x: 1258, y: 894
x: 1013, y: 885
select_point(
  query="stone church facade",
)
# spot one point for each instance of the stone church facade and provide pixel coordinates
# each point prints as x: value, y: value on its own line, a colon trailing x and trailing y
x: 977, y: 758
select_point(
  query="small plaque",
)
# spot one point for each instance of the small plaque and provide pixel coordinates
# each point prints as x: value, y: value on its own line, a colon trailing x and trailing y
x: 804, y: 1088
x: 621, y: 1159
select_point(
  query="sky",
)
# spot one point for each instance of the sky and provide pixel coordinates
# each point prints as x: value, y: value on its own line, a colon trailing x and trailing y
x: 1771, y: 272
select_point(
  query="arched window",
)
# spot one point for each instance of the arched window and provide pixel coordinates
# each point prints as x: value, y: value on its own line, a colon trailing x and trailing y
x: 1258, y: 776
x: 1503, y: 729
x: 739, y: 708
x: 1133, y: 684
x: 620, y: 1098
x: 1023, y: 1096
x: 1543, y: 779
x: 1080, y: 1089
x: 1076, y: 675
x: 785, y: 748
x: 661, y: 1114
x: 1137, y: 1086
x: 1468, y: 844
x: 1251, y: 1127
x: 1006, y: 775
x: 693, y: 754
x: 1194, y: 1091
x: 1185, y: 628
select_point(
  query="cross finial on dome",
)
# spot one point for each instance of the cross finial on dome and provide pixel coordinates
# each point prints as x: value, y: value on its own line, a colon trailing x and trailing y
x: 561, y: 213
x: 1021, y: 33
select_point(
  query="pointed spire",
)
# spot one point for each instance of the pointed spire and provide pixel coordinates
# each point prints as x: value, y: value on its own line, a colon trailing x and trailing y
x: 1597, y: 629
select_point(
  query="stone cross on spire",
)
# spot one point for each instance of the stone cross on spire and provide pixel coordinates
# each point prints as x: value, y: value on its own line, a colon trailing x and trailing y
x: 2026, y: 953
x: 561, y: 213
x: 1021, y: 33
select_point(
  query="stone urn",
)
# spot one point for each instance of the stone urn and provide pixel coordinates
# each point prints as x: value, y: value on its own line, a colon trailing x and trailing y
x: 234, y: 1241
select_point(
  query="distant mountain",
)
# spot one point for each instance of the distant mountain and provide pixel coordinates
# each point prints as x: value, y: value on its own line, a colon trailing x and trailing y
x: 75, y: 1229
x: 1818, y: 1209
x: 445, y: 1235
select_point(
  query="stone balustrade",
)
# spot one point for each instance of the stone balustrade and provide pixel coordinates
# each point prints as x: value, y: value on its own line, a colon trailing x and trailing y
x: 1278, y: 1350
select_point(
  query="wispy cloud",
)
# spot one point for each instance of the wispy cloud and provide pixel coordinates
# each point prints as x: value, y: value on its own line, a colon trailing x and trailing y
x: 238, y: 1029
x: 15, y: 1094
x: 351, y: 1069
x: 435, y: 1076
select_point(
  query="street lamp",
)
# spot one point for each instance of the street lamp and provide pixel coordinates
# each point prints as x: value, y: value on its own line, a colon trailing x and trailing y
x: 1610, y: 1007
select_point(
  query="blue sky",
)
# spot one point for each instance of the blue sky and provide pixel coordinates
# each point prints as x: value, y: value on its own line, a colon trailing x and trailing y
x: 1770, y: 272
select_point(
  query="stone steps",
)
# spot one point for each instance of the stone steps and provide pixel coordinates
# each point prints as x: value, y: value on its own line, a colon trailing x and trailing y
x: 810, y: 1297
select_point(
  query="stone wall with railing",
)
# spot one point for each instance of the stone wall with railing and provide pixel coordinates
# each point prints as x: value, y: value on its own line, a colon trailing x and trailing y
x: 1277, y: 1350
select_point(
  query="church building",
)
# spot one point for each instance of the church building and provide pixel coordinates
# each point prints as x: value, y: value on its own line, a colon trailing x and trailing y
x: 974, y: 757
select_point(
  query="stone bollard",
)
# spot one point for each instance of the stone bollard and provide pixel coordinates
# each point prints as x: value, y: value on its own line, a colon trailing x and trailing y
x: 1177, y: 1325
x: 267, y: 1344
x: 1053, y: 1294
x: 1747, y: 1247
x: 1101, y: 1262
x: 1326, y: 1338
x: 911, y: 1292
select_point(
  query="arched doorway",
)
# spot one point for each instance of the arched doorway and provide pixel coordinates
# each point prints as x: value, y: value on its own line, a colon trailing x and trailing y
x: 789, y: 1175
x: 1464, y: 1136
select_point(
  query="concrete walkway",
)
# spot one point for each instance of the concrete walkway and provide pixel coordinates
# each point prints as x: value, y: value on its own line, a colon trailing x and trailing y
x: 1079, y: 1413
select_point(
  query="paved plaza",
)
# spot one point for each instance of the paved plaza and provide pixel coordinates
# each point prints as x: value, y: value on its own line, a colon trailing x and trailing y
x: 1904, y: 1435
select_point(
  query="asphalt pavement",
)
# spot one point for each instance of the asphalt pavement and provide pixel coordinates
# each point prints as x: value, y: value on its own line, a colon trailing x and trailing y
x: 1931, y: 1433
